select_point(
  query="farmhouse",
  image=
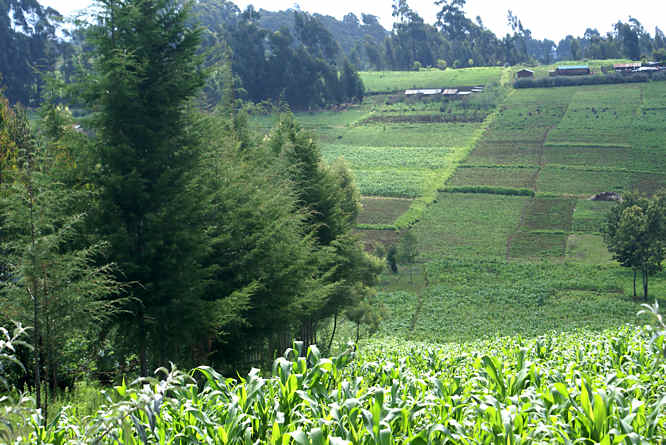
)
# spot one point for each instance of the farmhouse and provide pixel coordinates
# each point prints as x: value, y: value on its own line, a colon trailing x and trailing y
x: 626, y: 67
x: 524, y: 73
x: 572, y: 70
x: 427, y: 92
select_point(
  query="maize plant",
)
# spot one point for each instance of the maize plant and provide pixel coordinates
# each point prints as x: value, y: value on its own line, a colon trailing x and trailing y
x: 582, y: 388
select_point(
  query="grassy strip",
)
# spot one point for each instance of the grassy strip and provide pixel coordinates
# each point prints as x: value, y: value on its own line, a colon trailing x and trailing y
x: 561, y: 81
x: 584, y: 145
x: 421, y: 203
x: 508, y: 191
x: 376, y: 227
x: 496, y: 166
x: 587, y: 168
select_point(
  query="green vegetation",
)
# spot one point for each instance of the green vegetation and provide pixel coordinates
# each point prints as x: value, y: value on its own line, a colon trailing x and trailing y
x: 462, y: 225
x: 382, y: 210
x: 494, y: 177
x: 589, y: 215
x: 180, y: 224
x: 390, y: 81
x: 402, y: 393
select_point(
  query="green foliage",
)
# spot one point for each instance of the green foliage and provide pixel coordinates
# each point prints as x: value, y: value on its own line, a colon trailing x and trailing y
x: 145, y: 71
x: 464, y: 225
x: 51, y: 276
x: 635, y: 232
x: 389, y: 81
x: 400, y: 393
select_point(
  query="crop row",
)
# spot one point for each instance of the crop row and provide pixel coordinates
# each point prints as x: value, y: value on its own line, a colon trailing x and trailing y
x: 582, y: 388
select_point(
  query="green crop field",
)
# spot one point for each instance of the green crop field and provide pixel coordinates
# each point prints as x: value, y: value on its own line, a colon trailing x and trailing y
x: 587, y: 249
x: 589, y: 215
x: 363, y: 157
x: 586, y: 182
x: 505, y: 153
x: 494, y: 177
x: 388, y: 81
x: 459, y: 224
x: 549, y: 214
x: 401, y: 135
x: 382, y: 210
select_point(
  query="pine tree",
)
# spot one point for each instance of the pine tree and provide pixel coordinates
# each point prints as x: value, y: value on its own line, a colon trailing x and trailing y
x: 145, y: 73
x: 51, y: 280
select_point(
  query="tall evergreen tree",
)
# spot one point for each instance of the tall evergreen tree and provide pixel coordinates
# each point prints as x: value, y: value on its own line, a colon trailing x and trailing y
x: 145, y: 72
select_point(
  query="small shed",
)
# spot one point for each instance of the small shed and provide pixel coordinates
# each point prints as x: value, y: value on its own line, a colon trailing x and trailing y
x: 524, y: 73
x: 425, y: 92
x: 625, y: 67
x: 573, y: 70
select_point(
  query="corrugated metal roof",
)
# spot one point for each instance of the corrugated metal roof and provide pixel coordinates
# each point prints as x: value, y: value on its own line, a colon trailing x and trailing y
x: 426, y: 92
x: 626, y: 65
x: 450, y: 91
x: 573, y: 67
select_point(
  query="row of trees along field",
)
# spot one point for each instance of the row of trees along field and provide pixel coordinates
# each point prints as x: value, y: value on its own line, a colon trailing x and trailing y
x: 163, y: 232
x: 457, y: 41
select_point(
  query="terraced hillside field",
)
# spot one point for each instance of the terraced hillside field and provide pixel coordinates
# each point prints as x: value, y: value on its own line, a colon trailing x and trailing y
x: 508, y: 239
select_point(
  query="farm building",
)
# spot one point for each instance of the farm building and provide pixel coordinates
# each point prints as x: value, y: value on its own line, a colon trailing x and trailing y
x: 428, y: 92
x: 572, y: 70
x: 524, y: 73
x: 626, y: 67
x: 450, y: 92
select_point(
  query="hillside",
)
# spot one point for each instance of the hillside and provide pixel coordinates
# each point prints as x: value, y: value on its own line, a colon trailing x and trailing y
x: 496, y: 190
x: 512, y: 325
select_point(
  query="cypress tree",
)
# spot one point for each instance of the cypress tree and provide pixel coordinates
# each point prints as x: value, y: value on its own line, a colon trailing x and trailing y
x: 145, y: 73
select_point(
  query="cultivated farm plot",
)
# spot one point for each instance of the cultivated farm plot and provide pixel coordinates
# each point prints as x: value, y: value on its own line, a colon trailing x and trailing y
x: 589, y: 216
x: 537, y: 245
x: 588, y: 182
x: 363, y: 157
x: 402, y: 135
x: 396, y: 183
x: 587, y: 248
x: 545, y: 213
x: 378, y: 238
x: 599, y: 114
x: 618, y: 157
x: 389, y: 81
x: 382, y: 210
x: 464, y: 225
x: 505, y: 153
x: 313, y: 120
x: 494, y: 177
x: 471, y: 298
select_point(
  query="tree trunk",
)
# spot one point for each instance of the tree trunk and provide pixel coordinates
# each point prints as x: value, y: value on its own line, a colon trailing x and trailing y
x: 34, y: 293
x: 335, y: 325
x: 645, y: 284
x: 635, y: 272
x: 35, y: 340
x: 358, y: 332
x: 143, y: 362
